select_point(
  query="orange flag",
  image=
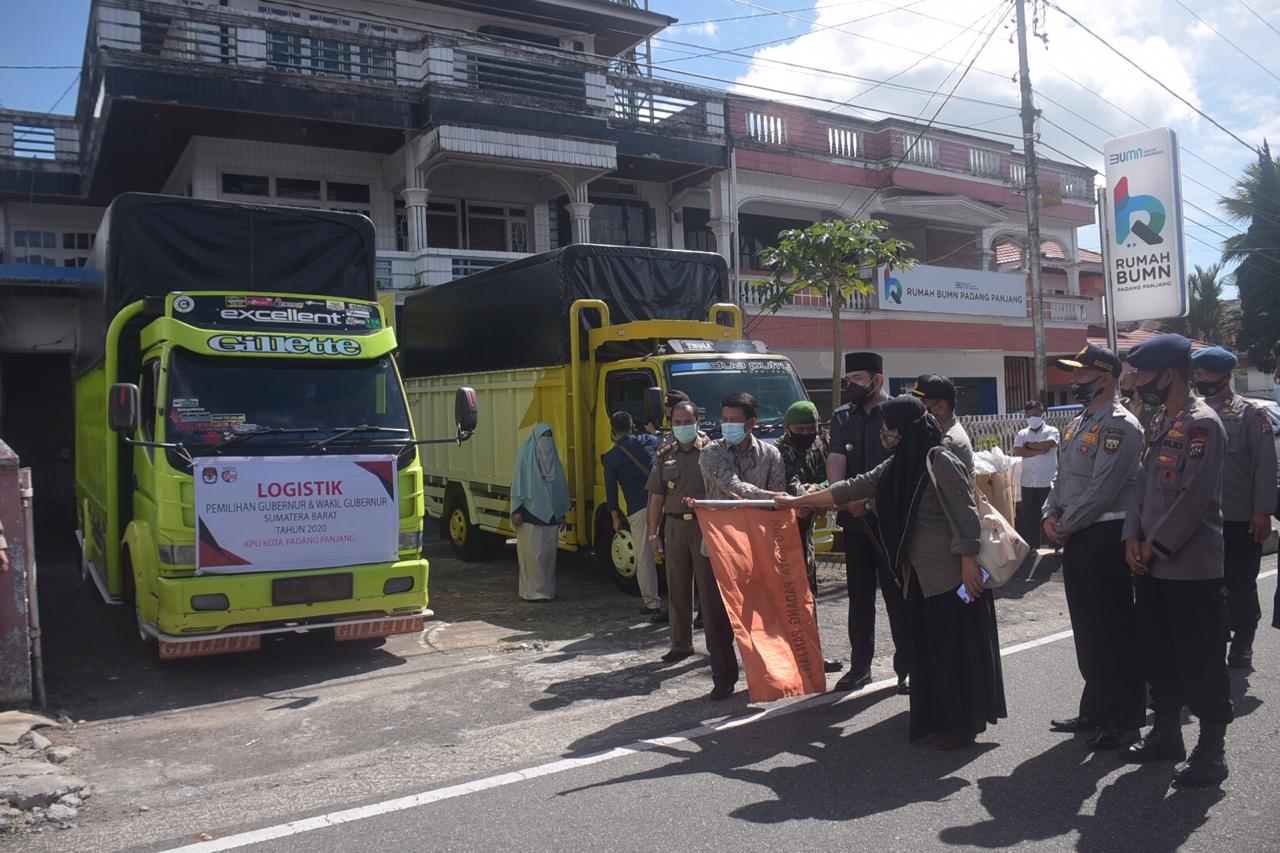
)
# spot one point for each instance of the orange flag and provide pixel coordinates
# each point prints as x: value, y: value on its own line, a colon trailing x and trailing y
x: 758, y: 559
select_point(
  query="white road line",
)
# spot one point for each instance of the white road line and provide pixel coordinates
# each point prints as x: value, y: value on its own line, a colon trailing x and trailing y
x: 297, y: 827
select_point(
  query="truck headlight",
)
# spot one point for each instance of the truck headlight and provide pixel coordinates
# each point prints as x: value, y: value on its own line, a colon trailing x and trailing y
x: 210, y: 601
x: 391, y: 586
x: 411, y: 541
x: 177, y: 555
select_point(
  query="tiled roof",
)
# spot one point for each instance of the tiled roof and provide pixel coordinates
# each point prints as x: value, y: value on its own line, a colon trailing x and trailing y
x: 1011, y: 253
x: 1127, y: 340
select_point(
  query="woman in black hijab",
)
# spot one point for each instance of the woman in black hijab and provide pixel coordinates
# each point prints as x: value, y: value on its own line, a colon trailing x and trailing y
x: 929, y: 537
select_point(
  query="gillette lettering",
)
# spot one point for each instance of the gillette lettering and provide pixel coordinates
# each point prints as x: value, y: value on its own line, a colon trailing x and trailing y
x: 284, y: 345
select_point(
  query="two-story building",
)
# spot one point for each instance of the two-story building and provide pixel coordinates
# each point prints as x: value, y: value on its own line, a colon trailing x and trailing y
x: 472, y: 134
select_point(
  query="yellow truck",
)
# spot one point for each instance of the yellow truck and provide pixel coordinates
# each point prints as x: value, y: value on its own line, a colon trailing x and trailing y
x: 245, y: 463
x: 567, y: 338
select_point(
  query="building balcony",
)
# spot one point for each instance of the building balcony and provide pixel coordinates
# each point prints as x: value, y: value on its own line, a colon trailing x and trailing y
x: 754, y: 292
x: 39, y: 155
x: 405, y: 270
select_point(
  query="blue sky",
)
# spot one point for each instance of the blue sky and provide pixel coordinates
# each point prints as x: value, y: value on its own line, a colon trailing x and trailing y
x: 1086, y: 92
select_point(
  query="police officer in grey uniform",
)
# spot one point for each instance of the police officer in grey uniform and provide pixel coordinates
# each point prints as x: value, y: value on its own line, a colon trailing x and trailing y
x: 1173, y: 544
x: 1084, y: 513
x: 1248, y: 494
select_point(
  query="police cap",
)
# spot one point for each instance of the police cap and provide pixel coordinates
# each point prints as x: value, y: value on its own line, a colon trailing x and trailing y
x: 1215, y: 360
x: 1095, y: 357
x: 1160, y: 352
x: 933, y: 386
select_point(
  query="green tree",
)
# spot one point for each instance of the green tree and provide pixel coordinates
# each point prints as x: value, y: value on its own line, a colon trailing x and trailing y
x: 831, y: 257
x: 1206, y: 318
x: 1256, y: 199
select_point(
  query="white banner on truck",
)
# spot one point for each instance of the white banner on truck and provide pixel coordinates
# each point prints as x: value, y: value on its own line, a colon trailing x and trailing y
x: 281, y: 513
x: 1143, y: 225
x: 947, y: 290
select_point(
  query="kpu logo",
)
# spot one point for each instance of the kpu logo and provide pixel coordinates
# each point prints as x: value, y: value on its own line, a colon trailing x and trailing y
x: 209, y: 475
x: 1128, y: 207
x: 892, y: 286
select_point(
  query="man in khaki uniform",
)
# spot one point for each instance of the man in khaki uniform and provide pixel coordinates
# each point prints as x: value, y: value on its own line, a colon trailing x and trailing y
x: 673, y: 527
x: 1248, y: 494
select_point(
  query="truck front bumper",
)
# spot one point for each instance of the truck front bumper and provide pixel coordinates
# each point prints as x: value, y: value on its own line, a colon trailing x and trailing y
x: 251, y: 611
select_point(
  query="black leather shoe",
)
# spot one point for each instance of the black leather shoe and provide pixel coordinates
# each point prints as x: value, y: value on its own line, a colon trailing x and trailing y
x: 1072, y: 725
x: 1157, y: 746
x: 720, y: 692
x: 649, y: 611
x: 676, y: 655
x: 904, y: 687
x: 853, y: 681
x: 660, y: 617
x: 832, y: 665
x: 1110, y: 739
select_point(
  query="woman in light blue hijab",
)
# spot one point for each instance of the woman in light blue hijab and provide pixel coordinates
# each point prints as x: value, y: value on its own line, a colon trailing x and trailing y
x: 539, y: 501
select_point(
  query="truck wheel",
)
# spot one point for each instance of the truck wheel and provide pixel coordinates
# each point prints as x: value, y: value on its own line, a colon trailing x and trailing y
x: 468, y: 541
x: 616, y: 554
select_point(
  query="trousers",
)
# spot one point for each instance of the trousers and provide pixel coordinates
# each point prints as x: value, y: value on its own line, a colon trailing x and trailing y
x: 863, y: 572
x: 1099, y: 590
x: 1032, y: 506
x: 682, y: 554
x: 716, y: 629
x: 1183, y: 627
x: 646, y: 566
x: 1242, y: 558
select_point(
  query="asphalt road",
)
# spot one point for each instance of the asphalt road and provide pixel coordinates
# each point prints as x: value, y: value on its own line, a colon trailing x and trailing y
x: 514, y: 719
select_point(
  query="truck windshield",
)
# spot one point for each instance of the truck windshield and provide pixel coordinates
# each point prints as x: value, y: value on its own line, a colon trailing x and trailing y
x: 772, y: 381
x: 211, y: 399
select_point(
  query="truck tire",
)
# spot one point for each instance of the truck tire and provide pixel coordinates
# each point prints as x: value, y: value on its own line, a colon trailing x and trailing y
x: 615, y: 553
x: 468, y: 541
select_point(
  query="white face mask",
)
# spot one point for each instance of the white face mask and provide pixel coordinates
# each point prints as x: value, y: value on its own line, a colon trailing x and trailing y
x: 1035, y: 422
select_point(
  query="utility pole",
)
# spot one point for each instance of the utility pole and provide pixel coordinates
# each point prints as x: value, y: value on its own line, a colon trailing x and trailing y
x: 1032, y: 190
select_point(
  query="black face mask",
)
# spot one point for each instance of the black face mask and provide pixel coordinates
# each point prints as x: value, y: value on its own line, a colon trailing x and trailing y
x: 856, y: 394
x: 1086, y: 392
x: 1208, y: 389
x: 1152, y: 394
x: 804, y: 442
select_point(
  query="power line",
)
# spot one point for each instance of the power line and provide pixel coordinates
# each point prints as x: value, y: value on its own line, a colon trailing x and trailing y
x: 809, y: 8
x: 1237, y: 47
x: 1259, y: 17
x: 1146, y: 74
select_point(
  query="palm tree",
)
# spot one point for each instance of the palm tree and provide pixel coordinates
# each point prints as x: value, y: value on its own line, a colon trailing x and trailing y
x: 1255, y: 200
x: 1206, y: 315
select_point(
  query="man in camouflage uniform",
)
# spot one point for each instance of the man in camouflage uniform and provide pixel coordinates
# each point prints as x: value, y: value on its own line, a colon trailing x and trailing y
x: 804, y: 459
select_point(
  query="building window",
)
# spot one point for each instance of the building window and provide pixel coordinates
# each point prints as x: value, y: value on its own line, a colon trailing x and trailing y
x: 497, y: 229
x: 298, y: 188
x: 284, y: 51
x: 766, y: 128
x: 81, y: 240
x: 984, y: 163
x: 246, y: 184
x: 1018, y: 174
x: 920, y: 151
x: 444, y: 227
x: 698, y: 236
x: 349, y: 193
x: 843, y: 142
x: 33, y: 141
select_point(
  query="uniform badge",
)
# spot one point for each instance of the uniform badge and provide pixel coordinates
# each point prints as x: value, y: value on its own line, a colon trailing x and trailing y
x: 1168, y: 475
x: 1071, y: 431
x: 1198, y: 437
x: 1167, y: 459
x: 1093, y: 430
x: 1264, y: 422
x: 1089, y: 437
x: 1177, y: 433
x: 1082, y: 448
x: 1173, y: 444
x: 1111, y: 439
x: 671, y: 484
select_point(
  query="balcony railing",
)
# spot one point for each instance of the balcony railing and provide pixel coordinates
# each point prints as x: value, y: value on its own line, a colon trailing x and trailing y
x: 403, y: 270
x: 38, y: 138
x: 754, y: 292
x: 1067, y: 309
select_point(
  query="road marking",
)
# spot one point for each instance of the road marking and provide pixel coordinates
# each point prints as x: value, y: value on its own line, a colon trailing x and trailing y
x: 297, y: 827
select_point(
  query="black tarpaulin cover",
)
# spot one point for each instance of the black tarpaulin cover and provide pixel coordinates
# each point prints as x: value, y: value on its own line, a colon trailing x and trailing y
x: 150, y: 245
x: 516, y: 315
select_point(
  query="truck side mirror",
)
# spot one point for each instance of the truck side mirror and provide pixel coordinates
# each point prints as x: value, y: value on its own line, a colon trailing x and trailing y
x: 466, y: 412
x: 654, y: 404
x: 122, y: 408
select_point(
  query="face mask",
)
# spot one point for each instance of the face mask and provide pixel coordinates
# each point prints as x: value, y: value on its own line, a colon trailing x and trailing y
x: 857, y: 394
x: 686, y: 433
x: 804, y: 442
x: 1208, y: 389
x: 733, y: 433
x: 1085, y: 392
x: 1152, y: 394
x: 1035, y: 422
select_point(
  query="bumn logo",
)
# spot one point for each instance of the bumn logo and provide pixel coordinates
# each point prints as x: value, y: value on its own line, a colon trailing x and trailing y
x: 892, y: 286
x: 1128, y: 206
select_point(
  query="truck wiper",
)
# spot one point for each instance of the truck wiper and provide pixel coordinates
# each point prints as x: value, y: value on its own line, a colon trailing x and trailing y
x: 343, y: 432
x: 244, y: 436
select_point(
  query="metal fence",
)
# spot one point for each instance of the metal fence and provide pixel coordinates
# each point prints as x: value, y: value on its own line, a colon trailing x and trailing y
x: 988, y: 431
